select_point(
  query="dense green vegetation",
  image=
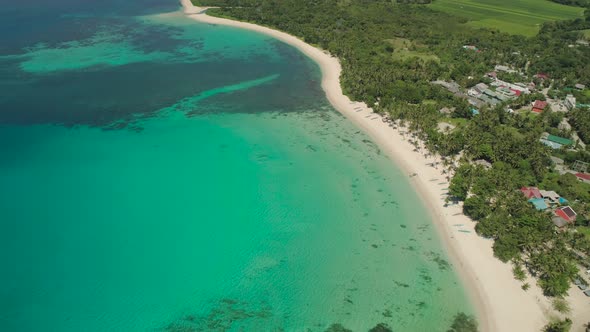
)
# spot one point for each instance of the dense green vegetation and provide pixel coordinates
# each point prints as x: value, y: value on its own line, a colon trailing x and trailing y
x: 559, y: 326
x: 391, y: 52
x: 580, y: 120
x: 512, y: 16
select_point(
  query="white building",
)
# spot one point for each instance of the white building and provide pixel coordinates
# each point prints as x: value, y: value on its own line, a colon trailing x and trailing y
x: 570, y: 102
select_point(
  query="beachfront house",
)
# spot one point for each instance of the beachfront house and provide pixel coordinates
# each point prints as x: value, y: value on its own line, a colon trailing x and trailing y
x: 567, y: 213
x: 555, y: 142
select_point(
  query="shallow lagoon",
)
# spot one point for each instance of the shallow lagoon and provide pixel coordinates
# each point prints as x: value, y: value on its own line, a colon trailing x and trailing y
x: 201, y: 181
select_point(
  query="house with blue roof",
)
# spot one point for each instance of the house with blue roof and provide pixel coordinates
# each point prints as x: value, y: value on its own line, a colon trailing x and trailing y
x: 539, y: 204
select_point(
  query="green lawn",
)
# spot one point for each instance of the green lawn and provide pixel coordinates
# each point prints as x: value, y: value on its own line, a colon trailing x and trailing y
x: 457, y: 122
x: 405, y: 49
x: 512, y: 16
x: 586, y: 33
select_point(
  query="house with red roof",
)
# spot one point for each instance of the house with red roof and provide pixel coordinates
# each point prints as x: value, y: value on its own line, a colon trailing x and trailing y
x: 531, y: 192
x: 539, y: 106
x: 542, y: 76
x: 584, y: 177
x: 567, y: 213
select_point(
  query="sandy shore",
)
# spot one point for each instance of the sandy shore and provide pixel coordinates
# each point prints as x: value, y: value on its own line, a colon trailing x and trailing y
x: 500, y: 303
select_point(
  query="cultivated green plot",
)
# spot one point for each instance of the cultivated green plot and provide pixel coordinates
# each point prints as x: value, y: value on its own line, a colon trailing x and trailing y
x: 513, y: 16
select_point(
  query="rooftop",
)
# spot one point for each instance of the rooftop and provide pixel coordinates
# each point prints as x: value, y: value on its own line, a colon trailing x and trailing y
x: 549, y: 194
x: 540, y: 104
x: 559, y: 221
x: 539, y: 203
x: 531, y: 192
x: 481, y: 86
x: 568, y: 211
x: 559, y: 140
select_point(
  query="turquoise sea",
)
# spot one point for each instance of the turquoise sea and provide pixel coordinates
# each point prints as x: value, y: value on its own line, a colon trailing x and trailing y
x: 159, y: 174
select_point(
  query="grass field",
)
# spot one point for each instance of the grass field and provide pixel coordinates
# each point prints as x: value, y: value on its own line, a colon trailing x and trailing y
x: 512, y: 16
x: 405, y: 49
x: 457, y: 122
x: 586, y: 33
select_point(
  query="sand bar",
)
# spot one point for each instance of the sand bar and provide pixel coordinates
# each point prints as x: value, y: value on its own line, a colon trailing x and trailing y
x: 499, y: 301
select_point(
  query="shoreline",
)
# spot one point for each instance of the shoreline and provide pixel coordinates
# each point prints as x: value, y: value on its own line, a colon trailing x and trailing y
x: 497, y: 298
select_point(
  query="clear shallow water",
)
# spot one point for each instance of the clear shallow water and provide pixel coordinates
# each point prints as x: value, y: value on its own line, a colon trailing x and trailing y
x: 159, y: 174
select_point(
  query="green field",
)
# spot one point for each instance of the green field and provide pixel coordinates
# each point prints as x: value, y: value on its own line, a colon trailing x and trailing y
x: 512, y: 16
x: 406, y: 49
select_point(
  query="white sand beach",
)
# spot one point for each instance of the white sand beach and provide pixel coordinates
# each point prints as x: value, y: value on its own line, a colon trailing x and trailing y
x: 500, y: 302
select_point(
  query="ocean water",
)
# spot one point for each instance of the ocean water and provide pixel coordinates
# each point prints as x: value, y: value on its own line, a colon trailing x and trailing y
x: 158, y: 174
